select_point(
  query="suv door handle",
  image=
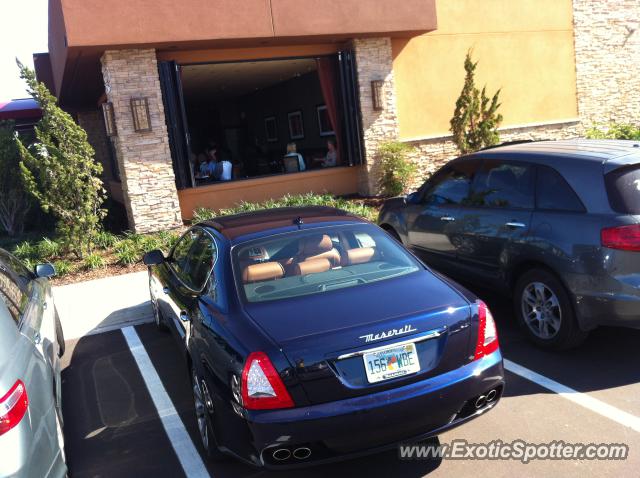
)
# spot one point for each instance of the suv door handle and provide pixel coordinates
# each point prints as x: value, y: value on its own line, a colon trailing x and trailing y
x: 447, y: 218
x: 518, y: 225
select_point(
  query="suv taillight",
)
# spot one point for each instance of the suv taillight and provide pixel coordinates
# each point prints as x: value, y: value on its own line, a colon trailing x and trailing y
x: 487, y: 334
x: 626, y: 238
x: 262, y: 388
x: 13, y: 406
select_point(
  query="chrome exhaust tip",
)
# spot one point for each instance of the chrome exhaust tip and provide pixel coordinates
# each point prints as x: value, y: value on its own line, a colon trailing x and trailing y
x: 481, y: 401
x: 302, y: 453
x: 491, y: 396
x: 281, y: 454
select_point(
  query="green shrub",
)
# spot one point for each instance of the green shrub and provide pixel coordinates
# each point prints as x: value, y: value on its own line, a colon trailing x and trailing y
x: 48, y: 249
x: 300, y: 200
x: 25, y: 251
x: 94, y: 261
x: 614, y: 131
x: 167, y: 239
x: 63, y: 267
x: 127, y: 255
x: 396, y: 168
x: 105, y: 240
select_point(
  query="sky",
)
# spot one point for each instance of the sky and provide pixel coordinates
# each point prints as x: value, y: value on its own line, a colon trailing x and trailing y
x: 23, y: 32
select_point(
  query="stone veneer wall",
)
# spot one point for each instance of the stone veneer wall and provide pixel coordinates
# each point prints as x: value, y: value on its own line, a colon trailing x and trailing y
x: 144, y: 159
x: 374, y: 61
x: 607, y: 46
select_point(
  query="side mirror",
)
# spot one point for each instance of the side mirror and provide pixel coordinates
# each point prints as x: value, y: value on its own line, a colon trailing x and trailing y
x: 45, y: 270
x: 413, y: 198
x: 153, y: 258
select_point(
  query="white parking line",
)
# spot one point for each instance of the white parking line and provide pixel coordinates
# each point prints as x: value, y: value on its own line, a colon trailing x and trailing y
x: 593, y: 404
x: 183, y: 446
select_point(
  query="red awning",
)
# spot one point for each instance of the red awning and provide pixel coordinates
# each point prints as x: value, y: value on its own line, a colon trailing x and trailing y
x: 20, y: 109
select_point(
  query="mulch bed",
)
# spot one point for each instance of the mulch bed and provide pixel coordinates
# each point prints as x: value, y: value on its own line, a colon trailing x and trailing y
x: 108, y: 271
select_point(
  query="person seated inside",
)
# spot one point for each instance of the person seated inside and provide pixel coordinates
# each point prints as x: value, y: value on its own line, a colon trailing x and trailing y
x: 293, y: 153
x: 331, y: 158
x: 223, y: 171
x: 204, y: 167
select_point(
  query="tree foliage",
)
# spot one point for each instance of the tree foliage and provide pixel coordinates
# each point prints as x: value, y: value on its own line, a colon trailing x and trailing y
x: 14, y: 200
x: 59, y: 170
x: 476, y: 119
x: 396, y: 168
x: 614, y: 131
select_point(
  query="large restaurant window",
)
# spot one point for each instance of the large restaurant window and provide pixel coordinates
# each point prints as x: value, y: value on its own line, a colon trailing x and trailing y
x: 239, y: 120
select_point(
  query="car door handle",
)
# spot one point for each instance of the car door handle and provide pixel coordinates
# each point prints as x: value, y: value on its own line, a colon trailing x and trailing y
x: 165, y: 290
x: 516, y: 225
x: 184, y: 317
x: 447, y: 218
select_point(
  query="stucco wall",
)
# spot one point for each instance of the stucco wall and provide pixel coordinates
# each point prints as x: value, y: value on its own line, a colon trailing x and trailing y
x: 607, y: 45
x: 524, y: 47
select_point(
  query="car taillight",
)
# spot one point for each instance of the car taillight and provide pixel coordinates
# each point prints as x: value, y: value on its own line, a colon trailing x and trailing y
x: 13, y: 407
x: 262, y: 388
x: 626, y: 238
x: 487, y: 333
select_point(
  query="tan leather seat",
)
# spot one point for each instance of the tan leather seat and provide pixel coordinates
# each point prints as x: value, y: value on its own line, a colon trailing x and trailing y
x: 312, y: 266
x: 360, y: 255
x: 262, y: 271
x: 318, y: 247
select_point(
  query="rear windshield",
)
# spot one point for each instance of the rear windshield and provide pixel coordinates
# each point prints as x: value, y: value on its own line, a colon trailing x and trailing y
x: 623, y: 189
x: 313, y: 262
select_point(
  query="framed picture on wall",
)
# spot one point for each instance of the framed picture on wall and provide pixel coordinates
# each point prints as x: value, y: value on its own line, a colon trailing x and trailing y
x: 296, y: 125
x: 271, y: 129
x: 324, y: 122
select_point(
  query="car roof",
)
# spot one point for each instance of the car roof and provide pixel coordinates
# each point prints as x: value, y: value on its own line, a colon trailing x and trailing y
x: 268, y: 221
x: 614, y: 153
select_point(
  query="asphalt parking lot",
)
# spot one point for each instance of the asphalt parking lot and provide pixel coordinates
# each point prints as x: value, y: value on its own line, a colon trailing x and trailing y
x: 113, y: 427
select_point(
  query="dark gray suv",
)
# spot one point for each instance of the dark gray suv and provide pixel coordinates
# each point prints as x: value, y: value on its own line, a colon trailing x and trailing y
x: 554, y: 223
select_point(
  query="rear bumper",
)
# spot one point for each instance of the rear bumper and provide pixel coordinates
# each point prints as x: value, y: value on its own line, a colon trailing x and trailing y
x: 612, y: 309
x: 357, y: 426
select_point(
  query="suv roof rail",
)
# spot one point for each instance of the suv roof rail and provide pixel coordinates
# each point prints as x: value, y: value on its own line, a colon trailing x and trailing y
x: 511, y: 143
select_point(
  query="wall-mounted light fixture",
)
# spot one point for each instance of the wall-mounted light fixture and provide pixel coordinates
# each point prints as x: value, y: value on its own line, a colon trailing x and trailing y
x: 141, y: 116
x: 377, y: 94
x: 109, y: 119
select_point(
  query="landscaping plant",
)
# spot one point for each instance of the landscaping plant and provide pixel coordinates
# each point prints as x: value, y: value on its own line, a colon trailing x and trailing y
x: 60, y: 171
x: 476, y: 119
x: 396, y: 168
x: 614, y: 131
x: 14, y: 199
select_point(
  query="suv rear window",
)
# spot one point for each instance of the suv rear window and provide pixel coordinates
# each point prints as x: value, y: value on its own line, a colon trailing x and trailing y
x: 623, y: 189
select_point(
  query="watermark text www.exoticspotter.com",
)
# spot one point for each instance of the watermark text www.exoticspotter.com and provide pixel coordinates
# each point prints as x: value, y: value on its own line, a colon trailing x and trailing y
x: 517, y: 450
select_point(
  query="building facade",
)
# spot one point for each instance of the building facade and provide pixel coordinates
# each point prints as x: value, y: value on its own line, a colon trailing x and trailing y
x: 242, y: 81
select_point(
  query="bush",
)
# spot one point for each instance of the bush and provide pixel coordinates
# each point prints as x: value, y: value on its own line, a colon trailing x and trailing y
x: 63, y: 267
x: 25, y: 251
x: 14, y: 199
x: 106, y: 240
x: 94, y: 261
x: 48, y: 249
x: 614, y: 131
x: 127, y: 253
x: 309, y: 199
x: 396, y: 168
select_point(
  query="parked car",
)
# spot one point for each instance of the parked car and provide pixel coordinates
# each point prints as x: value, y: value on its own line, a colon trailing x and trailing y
x: 312, y: 336
x: 31, y: 343
x: 554, y: 223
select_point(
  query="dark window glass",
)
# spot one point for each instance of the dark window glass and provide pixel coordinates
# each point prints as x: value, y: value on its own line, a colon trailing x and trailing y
x: 554, y: 193
x: 193, y: 258
x: 623, y: 189
x: 503, y: 185
x: 451, y: 185
x: 12, y: 293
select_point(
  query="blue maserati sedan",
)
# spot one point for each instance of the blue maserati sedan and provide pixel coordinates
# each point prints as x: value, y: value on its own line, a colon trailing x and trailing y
x: 312, y: 336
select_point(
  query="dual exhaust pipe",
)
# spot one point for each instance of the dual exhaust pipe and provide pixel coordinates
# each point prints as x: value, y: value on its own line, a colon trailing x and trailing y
x: 282, y: 454
x: 484, y: 400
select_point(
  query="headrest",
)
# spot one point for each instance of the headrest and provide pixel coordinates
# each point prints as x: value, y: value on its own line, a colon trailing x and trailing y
x: 262, y: 271
x: 315, y: 244
x: 312, y: 267
x: 360, y: 255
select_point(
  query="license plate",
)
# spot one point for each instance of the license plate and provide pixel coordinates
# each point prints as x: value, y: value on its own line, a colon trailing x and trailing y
x: 393, y: 362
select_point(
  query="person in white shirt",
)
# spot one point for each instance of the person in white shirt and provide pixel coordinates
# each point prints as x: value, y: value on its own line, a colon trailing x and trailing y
x: 292, y: 152
x: 331, y: 159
